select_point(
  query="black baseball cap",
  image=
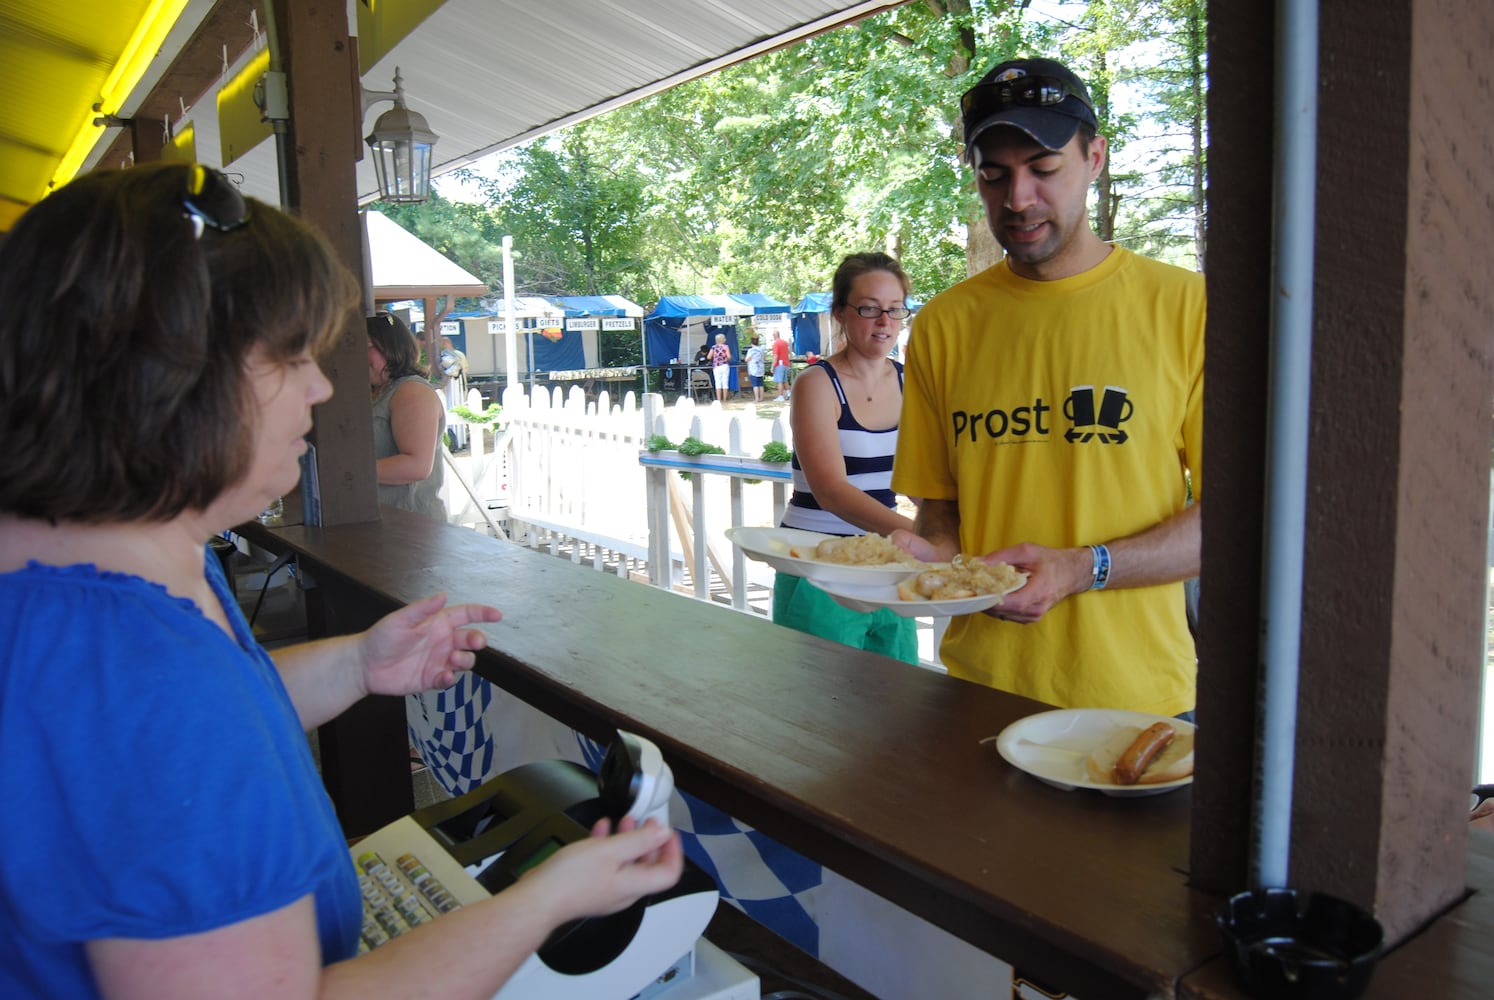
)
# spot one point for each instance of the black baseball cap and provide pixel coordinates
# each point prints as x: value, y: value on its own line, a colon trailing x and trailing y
x: 1039, y: 96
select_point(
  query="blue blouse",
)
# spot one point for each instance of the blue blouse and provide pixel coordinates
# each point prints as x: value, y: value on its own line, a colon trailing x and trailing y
x: 154, y: 777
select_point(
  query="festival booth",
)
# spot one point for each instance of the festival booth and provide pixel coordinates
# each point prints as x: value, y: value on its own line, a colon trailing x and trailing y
x: 769, y: 316
x: 541, y: 344
x: 811, y: 324
x: 679, y: 325
x: 593, y: 315
x: 589, y: 319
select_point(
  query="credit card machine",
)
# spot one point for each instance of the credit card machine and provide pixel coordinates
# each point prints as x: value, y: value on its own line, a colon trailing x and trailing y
x: 500, y: 830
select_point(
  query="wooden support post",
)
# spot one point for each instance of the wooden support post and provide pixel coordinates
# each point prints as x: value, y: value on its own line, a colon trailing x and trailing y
x: 326, y: 117
x: 1403, y: 376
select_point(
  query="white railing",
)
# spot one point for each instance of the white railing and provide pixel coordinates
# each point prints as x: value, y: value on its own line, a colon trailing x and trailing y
x: 576, y: 478
x: 565, y: 475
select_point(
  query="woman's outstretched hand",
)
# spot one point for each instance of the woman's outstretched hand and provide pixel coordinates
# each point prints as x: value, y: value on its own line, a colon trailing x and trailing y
x: 423, y: 645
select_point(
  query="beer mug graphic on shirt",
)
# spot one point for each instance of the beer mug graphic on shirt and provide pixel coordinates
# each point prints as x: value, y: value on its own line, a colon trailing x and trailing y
x: 1080, y: 406
x: 1115, y: 408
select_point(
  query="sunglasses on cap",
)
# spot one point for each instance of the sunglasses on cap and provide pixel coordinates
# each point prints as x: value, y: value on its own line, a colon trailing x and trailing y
x: 985, y: 99
x: 211, y: 200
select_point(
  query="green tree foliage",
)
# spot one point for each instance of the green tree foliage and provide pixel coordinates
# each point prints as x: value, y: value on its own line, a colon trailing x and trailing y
x: 1152, y: 197
x: 464, y: 232
x: 578, y: 216
x: 762, y: 176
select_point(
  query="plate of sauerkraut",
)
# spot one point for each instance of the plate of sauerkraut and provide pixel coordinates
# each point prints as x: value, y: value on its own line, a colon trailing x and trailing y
x: 961, y: 587
x: 867, y: 560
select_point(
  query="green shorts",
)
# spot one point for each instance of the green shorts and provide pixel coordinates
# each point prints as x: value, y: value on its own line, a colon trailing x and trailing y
x: 803, y: 606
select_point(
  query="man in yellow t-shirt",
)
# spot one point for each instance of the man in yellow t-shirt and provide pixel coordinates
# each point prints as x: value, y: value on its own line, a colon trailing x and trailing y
x: 1053, y: 419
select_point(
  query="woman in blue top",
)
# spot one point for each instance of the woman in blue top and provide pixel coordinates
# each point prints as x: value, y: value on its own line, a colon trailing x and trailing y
x: 844, y: 418
x: 165, y: 832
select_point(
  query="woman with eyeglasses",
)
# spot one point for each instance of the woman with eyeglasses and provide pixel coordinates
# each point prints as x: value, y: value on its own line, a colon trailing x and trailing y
x: 844, y: 418
x: 409, y: 420
x: 165, y: 832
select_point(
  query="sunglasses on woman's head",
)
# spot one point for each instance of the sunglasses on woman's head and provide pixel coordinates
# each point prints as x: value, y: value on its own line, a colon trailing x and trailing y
x: 211, y: 200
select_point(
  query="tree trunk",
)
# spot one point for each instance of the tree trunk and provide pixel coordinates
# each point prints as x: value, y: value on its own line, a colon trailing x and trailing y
x: 981, y: 248
x: 1196, y: 70
x: 1106, y: 200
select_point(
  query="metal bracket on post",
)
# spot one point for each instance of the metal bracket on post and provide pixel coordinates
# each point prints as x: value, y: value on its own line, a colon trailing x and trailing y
x: 272, y: 97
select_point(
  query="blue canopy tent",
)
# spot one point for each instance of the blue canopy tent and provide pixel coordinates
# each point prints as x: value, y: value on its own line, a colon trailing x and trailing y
x: 770, y: 318
x: 591, y: 314
x: 679, y: 324
x: 556, y: 350
x: 811, y: 323
x: 811, y: 320
x: 482, y: 337
x: 762, y: 305
x: 611, y: 306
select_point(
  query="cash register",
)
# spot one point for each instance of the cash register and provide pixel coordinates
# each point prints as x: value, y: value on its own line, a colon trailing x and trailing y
x: 463, y: 850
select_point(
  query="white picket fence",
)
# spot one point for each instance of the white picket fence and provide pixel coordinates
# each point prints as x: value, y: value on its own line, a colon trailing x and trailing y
x: 568, y: 476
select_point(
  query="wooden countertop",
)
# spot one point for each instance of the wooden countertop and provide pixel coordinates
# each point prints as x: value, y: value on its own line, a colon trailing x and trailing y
x: 869, y: 766
x: 865, y: 764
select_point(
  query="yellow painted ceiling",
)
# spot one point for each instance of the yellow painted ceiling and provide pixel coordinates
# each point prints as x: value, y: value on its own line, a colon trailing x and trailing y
x: 55, y: 56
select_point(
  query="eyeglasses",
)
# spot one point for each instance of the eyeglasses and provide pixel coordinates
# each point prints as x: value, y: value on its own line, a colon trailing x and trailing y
x: 212, y: 200
x: 1024, y: 91
x: 872, y: 312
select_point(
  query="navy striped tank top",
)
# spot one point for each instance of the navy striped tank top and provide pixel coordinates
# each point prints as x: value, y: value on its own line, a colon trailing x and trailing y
x: 868, y: 458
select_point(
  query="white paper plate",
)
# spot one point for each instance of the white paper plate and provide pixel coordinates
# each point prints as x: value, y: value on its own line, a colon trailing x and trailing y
x: 1051, y: 746
x: 772, y: 545
x: 872, y: 598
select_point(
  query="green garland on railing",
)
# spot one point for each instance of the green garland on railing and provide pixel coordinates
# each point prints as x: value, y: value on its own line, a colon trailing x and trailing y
x: 776, y: 451
x: 695, y: 446
x: 488, y: 416
x: 773, y: 451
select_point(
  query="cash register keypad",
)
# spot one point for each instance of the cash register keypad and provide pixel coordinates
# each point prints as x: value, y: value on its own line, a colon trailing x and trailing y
x: 398, y: 898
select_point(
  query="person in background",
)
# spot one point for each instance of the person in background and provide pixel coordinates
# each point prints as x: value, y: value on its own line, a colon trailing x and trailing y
x: 409, y: 420
x: 721, y: 368
x: 703, y: 356
x: 781, y: 367
x: 1053, y: 416
x: 217, y: 868
x: 454, y: 386
x: 845, y: 423
x: 756, y: 368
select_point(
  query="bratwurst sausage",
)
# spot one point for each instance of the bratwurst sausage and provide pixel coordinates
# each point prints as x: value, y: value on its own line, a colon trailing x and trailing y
x: 1152, y: 741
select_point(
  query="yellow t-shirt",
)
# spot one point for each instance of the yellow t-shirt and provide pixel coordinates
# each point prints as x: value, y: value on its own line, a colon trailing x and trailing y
x: 1063, y: 413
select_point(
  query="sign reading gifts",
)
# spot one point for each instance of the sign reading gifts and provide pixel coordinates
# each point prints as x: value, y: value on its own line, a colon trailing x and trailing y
x: 547, y: 328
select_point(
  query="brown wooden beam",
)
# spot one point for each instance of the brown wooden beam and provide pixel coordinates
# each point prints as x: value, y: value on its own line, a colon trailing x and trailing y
x: 1235, y: 374
x: 1397, y: 517
x: 326, y: 116
x: 195, y: 70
